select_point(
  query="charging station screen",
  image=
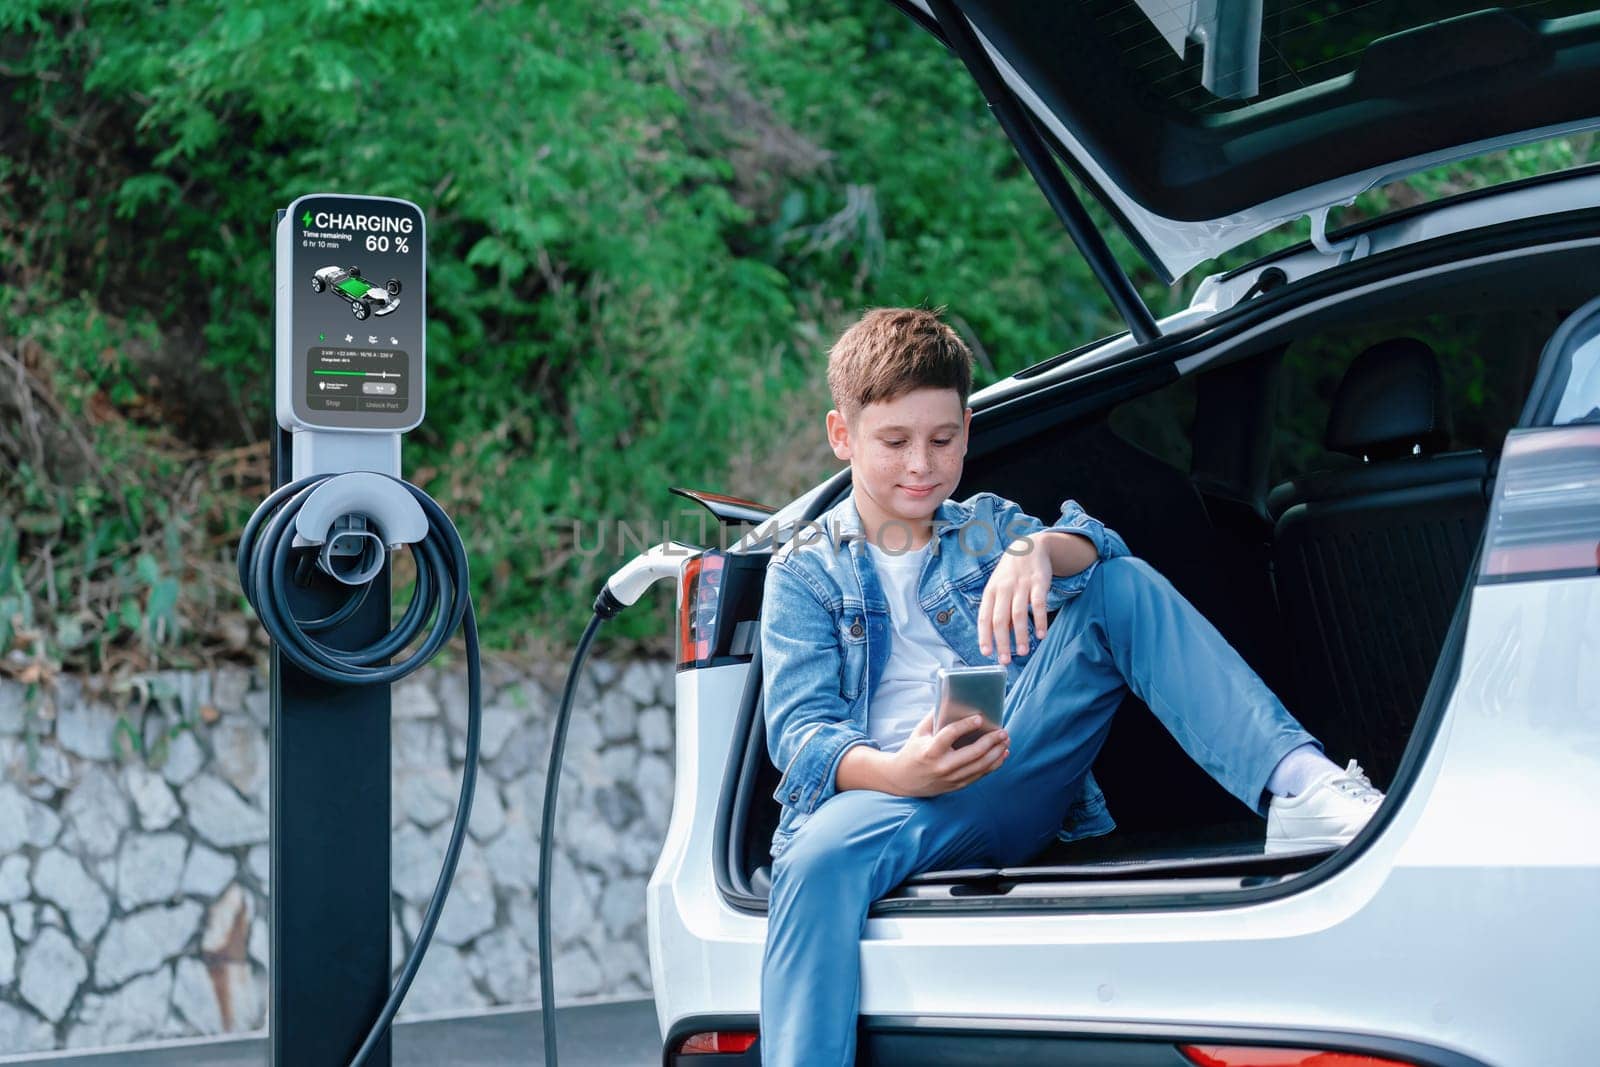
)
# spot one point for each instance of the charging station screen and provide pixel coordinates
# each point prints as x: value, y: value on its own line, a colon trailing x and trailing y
x: 356, y: 329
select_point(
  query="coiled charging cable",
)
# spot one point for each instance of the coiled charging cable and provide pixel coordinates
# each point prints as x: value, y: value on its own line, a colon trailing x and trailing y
x: 266, y: 564
x: 266, y: 568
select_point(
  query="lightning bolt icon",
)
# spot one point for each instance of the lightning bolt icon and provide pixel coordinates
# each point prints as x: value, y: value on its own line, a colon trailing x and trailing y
x: 305, y: 220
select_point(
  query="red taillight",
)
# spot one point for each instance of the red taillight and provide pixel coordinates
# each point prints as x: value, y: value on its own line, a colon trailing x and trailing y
x: 1227, y: 1056
x: 717, y: 1041
x: 1545, y: 519
x: 697, y: 609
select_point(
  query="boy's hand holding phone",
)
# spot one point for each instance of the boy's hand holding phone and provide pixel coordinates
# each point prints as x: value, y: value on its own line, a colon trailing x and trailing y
x: 929, y: 763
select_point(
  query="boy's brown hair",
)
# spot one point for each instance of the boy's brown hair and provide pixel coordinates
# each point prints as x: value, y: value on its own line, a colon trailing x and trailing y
x: 890, y: 352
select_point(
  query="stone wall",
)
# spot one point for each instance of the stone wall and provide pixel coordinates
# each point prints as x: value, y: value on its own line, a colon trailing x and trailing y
x: 134, y: 858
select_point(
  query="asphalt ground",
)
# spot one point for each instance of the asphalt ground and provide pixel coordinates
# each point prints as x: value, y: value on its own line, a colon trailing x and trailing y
x: 619, y: 1034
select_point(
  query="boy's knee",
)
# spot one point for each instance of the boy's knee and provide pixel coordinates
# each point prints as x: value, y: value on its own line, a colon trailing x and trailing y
x: 1127, y: 573
x: 806, y: 858
x: 815, y: 874
x: 1127, y: 585
x: 839, y: 849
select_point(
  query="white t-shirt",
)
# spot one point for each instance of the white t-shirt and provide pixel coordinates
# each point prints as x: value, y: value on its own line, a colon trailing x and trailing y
x: 916, y: 651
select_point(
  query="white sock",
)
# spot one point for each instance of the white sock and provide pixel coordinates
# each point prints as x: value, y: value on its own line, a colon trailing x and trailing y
x: 1298, y: 769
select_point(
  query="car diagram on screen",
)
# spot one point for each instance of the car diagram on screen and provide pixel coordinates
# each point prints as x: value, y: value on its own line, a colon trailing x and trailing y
x: 365, y: 299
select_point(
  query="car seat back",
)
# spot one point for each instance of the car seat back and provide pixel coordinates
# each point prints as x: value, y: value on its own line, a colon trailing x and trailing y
x: 1370, y: 559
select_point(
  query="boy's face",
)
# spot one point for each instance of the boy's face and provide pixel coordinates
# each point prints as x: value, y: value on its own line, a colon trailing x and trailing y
x: 917, y: 441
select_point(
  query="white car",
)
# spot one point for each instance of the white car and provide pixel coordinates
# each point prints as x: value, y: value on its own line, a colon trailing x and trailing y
x: 1423, y: 595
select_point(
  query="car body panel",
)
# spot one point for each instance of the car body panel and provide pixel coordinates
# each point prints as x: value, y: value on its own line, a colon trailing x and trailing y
x: 1524, y: 738
x: 687, y: 920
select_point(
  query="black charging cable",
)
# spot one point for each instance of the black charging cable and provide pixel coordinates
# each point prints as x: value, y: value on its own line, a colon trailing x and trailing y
x: 267, y: 566
x: 605, y: 606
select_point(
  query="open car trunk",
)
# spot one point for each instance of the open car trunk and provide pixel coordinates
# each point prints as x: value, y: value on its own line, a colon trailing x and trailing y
x: 1201, y: 124
x: 1339, y: 581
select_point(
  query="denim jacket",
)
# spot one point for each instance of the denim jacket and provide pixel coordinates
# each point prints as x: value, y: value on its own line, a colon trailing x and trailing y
x: 825, y: 635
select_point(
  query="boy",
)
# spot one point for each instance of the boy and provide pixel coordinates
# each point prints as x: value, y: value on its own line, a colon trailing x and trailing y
x: 903, y: 581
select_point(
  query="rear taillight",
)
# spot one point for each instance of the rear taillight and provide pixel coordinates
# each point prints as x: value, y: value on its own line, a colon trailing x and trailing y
x: 698, y: 595
x: 1228, y: 1056
x: 1545, y: 518
x: 717, y: 1041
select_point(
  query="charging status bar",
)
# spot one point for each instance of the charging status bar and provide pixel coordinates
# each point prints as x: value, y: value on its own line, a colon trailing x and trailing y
x: 357, y: 379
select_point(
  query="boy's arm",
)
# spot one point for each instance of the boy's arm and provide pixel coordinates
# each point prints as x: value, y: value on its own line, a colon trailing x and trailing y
x: 1072, y: 560
x: 808, y: 724
x: 1069, y: 552
x: 864, y: 767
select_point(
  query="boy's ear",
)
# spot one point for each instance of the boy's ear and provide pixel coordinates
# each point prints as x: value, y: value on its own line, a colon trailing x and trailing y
x: 838, y: 434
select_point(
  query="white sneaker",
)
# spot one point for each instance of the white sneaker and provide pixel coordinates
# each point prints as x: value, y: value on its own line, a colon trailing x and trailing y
x: 1332, y: 810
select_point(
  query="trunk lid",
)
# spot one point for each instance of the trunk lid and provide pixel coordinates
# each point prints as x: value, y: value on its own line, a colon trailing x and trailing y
x: 1203, y: 123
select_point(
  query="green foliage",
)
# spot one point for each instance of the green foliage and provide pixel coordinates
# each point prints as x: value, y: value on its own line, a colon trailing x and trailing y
x: 645, y: 224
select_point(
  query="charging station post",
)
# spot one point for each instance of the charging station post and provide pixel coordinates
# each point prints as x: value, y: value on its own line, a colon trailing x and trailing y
x: 349, y: 371
x: 330, y: 964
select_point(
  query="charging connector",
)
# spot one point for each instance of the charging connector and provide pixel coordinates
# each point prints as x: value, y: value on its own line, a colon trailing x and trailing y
x: 629, y: 581
x: 352, y: 554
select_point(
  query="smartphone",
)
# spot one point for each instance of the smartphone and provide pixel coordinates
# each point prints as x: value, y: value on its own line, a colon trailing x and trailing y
x: 964, y: 691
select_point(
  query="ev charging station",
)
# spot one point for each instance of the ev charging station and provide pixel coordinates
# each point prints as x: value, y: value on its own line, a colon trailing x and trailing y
x: 350, y: 373
x: 314, y: 563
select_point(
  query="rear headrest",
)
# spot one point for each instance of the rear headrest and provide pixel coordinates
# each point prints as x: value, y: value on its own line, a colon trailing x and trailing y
x: 1390, y: 400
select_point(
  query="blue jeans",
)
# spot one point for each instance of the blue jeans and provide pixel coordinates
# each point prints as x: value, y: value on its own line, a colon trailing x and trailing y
x: 1129, y: 629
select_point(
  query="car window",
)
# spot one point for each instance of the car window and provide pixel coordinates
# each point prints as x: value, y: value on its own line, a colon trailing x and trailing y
x: 1487, y: 359
x: 1580, y: 400
x: 1284, y: 48
x: 1161, y: 422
